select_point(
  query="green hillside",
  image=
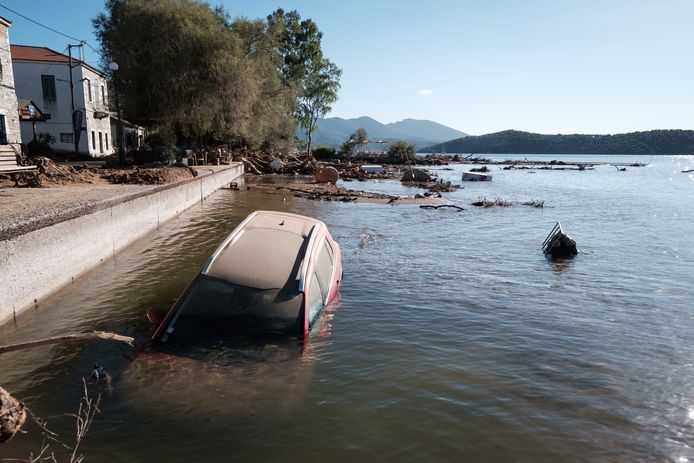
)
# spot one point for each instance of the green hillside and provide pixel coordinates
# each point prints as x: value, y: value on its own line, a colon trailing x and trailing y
x: 516, y: 142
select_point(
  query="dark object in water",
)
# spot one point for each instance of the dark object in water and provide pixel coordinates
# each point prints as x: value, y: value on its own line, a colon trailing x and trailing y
x: 558, y: 244
x: 97, y: 374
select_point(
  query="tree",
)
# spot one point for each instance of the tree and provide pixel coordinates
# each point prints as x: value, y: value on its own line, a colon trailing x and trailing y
x: 314, y: 79
x: 320, y: 91
x: 402, y: 150
x: 182, y: 69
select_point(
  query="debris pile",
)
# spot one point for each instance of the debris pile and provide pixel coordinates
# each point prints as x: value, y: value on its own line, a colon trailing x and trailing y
x: 12, y: 416
x: 147, y: 176
x: 484, y: 202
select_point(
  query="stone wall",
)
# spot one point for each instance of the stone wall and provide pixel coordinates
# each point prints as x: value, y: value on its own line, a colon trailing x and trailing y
x: 8, y: 97
x: 35, y: 264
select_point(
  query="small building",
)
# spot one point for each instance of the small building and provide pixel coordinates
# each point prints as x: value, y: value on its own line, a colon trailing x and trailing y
x: 134, y: 134
x: 44, y: 76
x: 10, y: 133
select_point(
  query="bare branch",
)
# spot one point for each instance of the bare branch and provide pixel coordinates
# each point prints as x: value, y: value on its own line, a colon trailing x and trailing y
x: 68, y: 337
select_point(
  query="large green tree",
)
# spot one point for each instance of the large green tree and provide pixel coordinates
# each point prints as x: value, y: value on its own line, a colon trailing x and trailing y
x: 181, y: 68
x: 314, y: 78
x: 198, y: 75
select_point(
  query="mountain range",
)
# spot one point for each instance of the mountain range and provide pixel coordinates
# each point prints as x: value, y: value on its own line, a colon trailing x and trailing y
x: 334, y: 131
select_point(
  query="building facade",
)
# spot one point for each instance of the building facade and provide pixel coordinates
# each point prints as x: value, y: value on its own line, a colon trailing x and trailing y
x: 43, y: 76
x: 9, y: 117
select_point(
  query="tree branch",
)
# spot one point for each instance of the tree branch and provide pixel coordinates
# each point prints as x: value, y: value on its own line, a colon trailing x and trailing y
x: 68, y: 337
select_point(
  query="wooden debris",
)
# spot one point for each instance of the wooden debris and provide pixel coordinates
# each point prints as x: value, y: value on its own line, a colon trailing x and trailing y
x: 450, y: 206
x: 68, y: 337
x: 484, y: 202
x: 534, y: 203
x: 12, y: 416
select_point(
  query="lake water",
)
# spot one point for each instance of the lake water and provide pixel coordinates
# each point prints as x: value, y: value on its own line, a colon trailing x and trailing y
x: 454, y: 338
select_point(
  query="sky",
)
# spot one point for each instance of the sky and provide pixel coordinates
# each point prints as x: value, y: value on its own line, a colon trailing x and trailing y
x: 547, y: 66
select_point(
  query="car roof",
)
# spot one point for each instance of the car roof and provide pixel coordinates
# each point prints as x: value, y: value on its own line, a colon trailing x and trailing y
x: 265, y: 251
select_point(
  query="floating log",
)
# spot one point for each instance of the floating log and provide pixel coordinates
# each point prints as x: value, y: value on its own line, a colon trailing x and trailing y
x: 68, y: 337
x: 451, y: 206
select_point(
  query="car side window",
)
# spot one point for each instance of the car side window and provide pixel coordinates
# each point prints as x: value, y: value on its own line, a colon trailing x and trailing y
x: 324, y: 268
x: 315, y: 302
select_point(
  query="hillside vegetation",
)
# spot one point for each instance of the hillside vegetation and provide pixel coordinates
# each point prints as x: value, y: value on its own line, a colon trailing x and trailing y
x: 516, y: 142
x: 334, y: 131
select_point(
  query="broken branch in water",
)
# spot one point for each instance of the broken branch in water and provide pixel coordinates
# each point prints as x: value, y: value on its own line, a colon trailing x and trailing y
x: 431, y: 206
x: 68, y: 337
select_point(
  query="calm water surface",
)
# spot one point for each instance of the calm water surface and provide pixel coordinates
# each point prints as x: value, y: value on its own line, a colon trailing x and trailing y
x: 454, y: 339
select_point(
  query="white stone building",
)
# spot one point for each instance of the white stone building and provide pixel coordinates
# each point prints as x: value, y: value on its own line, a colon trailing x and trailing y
x: 43, y: 76
x: 9, y: 117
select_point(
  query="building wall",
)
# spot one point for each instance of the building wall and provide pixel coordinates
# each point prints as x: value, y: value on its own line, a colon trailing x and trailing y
x: 28, y: 84
x: 8, y: 97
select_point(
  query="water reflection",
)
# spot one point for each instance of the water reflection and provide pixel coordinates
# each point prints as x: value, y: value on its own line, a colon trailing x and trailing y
x: 560, y: 265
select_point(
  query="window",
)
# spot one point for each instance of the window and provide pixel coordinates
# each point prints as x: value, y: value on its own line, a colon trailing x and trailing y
x: 3, y: 130
x: 213, y: 309
x: 93, y: 140
x: 103, y: 95
x: 48, y: 85
x: 0, y: 72
x: 101, y: 143
x: 89, y: 89
x: 67, y: 138
x: 324, y: 268
x: 315, y: 301
x: 106, y: 138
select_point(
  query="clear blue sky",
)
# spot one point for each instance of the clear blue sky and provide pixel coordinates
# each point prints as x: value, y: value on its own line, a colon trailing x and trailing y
x: 548, y: 66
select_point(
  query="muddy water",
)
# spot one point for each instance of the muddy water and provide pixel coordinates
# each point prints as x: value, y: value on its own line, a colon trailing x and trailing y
x: 454, y: 339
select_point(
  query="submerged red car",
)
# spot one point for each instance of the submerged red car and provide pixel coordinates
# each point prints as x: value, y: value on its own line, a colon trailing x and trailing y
x: 272, y: 275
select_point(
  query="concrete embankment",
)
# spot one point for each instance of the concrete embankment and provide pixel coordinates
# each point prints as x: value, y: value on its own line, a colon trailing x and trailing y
x: 41, y: 256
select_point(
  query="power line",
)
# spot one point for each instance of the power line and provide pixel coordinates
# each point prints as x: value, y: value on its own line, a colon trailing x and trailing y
x: 51, y: 29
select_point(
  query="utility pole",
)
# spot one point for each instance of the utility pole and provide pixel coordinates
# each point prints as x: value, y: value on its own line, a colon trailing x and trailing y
x: 76, y: 127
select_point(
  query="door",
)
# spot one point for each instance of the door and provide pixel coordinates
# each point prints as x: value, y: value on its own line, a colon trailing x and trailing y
x: 3, y: 130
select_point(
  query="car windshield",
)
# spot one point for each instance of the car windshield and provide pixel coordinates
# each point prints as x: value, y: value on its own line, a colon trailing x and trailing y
x: 213, y: 308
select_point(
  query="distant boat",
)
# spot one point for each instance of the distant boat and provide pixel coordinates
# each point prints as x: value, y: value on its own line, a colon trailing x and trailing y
x: 476, y: 177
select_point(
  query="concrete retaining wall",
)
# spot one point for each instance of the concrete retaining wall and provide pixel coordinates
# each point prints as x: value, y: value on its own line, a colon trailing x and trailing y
x: 37, y: 263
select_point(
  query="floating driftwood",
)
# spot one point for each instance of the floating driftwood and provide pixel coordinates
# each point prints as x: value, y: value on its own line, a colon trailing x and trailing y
x: 450, y: 206
x: 67, y: 337
x: 533, y: 203
x: 558, y: 244
x: 484, y: 202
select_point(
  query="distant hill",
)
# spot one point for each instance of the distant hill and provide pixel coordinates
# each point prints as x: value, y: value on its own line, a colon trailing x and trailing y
x: 515, y: 142
x: 334, y: 131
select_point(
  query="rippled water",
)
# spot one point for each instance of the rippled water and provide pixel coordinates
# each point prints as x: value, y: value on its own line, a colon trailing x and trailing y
x: 454, y: 339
